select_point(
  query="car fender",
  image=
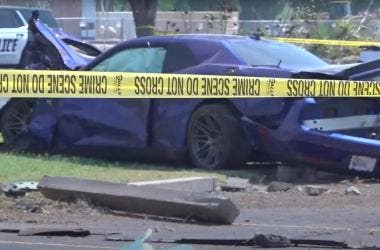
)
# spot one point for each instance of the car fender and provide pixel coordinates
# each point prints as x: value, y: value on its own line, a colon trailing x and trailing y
x: 3, y: 102
x: 3, y: 105
x: 171, y: 120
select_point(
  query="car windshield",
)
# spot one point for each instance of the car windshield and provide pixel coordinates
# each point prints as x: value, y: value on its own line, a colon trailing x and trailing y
x: 262, y: 52
x: 45, y: 16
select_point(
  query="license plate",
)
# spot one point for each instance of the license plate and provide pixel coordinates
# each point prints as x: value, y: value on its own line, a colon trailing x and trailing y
x: 362, y: 163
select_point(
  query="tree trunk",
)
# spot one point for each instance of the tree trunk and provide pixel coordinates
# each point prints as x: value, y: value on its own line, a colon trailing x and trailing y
x: 144, y: 13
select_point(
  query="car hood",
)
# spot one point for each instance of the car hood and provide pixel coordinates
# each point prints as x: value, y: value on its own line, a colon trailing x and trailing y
x: 74, y: 53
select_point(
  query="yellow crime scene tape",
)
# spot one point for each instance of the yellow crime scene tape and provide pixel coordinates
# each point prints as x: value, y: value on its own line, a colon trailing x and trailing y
x: 326, y: 42
x: 88, y: 84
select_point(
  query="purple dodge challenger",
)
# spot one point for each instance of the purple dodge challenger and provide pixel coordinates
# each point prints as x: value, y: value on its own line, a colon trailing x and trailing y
x: 339, y: 134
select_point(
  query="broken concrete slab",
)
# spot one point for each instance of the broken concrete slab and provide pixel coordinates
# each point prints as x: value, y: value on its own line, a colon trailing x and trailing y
x: 142, y: 200
x: 315, y: 190
x: 235, y: 184
x: 195, y: 184
x: 277, y: 186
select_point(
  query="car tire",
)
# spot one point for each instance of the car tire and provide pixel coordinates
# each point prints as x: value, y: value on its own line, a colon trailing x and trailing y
x: 215, y: 139
x: 15, y: 118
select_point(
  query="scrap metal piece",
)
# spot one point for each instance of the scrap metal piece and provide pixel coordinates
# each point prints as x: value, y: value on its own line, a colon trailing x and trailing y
x: 344, y: 123
x: 72, y: 232
x: 321, y: 243
x: 142, y: 200
x: 258, y: 240
x: 19, y: 188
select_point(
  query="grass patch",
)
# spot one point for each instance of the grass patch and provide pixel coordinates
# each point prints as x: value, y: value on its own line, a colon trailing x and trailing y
x: 31, y: 167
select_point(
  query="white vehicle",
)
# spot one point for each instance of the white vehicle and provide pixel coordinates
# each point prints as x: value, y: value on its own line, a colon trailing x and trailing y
x: 14, y: 34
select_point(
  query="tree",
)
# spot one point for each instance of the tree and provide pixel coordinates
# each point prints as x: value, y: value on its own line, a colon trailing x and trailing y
x: 144, y: 14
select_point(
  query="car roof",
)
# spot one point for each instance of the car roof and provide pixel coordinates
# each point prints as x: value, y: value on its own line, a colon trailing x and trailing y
x: 192, y: 37
x: 196, y: 38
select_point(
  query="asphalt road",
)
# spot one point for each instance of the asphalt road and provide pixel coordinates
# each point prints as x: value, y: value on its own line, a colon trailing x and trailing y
x: 357, y: 227
x: 333, y: 215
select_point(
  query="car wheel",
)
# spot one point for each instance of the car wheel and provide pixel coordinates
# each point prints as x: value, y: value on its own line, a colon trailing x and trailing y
x: 215, y: 139
x: 15, y: 118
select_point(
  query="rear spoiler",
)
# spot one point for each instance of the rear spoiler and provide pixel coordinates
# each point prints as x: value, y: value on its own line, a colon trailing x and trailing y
x: 369, y: 53
x: 360, y: 71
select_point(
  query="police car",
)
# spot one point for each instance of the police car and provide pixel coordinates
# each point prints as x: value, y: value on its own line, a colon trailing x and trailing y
x: 14, y: 34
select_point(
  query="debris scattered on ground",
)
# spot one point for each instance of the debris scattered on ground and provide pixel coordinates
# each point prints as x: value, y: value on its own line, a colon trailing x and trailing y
x: 72, y: 232
x: 315, y: 190
x: 352, y: 190
x: 276, y: 186
x: 258, y: 240
x: 258, y: 188
x: 141, y: 244
x: 345, y: 182
x: 142, y: 200
x: 235, y: 184
x: 27, y: 205
x: 40, y: 230
x: 18, y: 189
x: 195, y: 184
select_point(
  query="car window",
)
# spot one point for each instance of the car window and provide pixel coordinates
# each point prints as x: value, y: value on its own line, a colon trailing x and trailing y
x: 149, y: 60
x: 264, y: 53
x: 9, y: 19
x: 176, y: 53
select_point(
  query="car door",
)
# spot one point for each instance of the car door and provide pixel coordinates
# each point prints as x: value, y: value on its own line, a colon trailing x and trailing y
x: 13, y: 37
x: 120, y: 123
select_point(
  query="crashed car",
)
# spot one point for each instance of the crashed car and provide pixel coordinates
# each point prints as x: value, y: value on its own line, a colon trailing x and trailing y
x: 339, y: 134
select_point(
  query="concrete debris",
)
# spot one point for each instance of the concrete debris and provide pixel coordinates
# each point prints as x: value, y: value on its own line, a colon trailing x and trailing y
x: 18, y: 189
x: 27, y: 205
x: 315, y: 190
x: 235, y: 184
x: 276, y: 186
x: 196, y: 184
x: 352, y: 190
x: 300, y: 189
x: 142, y: 200
x: 258, y: 188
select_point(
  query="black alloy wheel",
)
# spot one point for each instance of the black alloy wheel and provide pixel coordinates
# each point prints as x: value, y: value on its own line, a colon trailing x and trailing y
x: 15, y: 119
x: 215, y: 138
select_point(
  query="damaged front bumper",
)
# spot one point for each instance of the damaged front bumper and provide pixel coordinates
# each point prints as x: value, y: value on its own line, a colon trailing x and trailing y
x: 344, y: 140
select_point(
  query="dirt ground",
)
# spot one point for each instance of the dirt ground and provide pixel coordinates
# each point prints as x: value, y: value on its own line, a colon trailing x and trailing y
x: 332, y: 215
